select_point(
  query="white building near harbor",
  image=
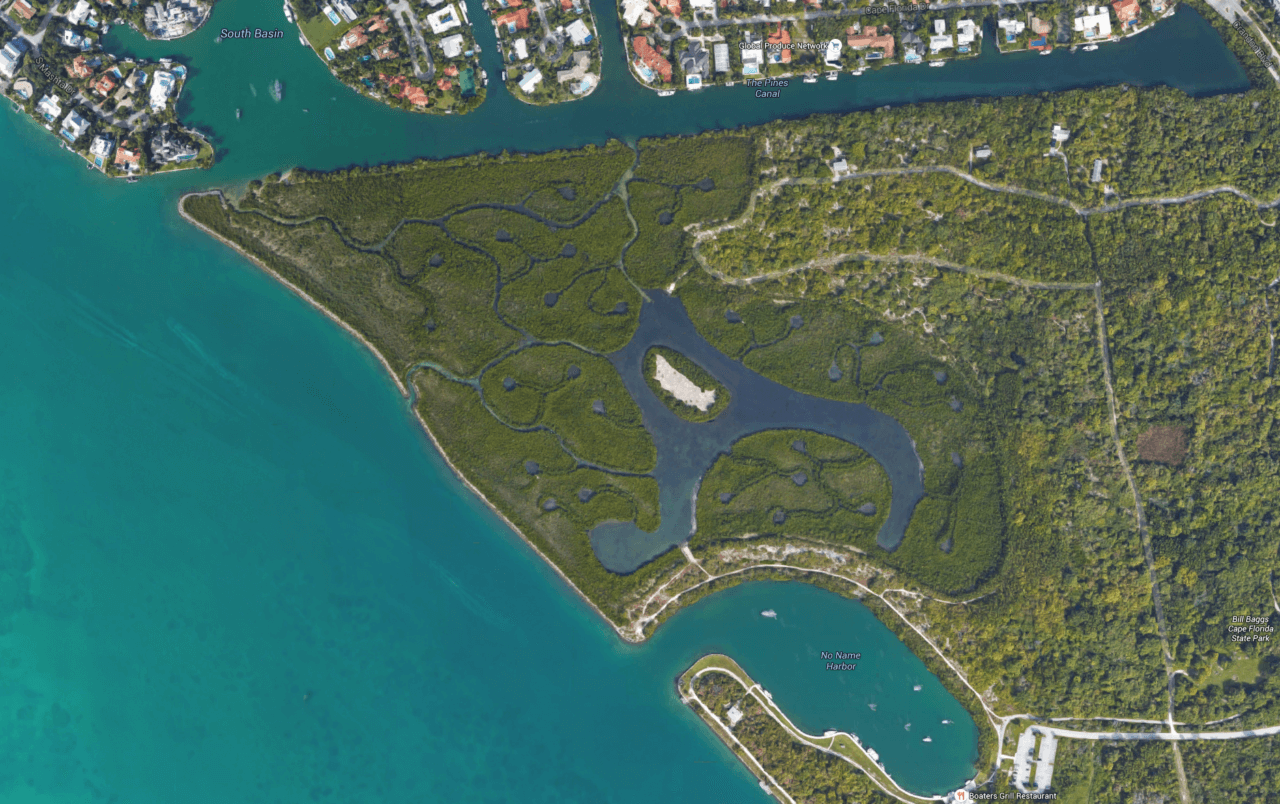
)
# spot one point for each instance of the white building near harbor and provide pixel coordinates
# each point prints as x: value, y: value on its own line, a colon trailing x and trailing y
x: 452, y: 46
x: 1095, y: 23
x: 530, y: 80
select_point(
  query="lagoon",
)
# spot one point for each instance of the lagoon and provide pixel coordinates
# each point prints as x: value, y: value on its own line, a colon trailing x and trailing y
x: 233, y: 568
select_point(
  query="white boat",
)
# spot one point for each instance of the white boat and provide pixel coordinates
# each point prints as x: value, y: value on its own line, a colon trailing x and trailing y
x: 872, y: 706
x: 770, y: 613
x: 811, y: 79
x: 288, y: 12
x: 831, y: 76
x: 907, y: 727
x: 859, y: 71
x: 927, y: 740
x: 666, y: 93
x: 504, y: 75
x: 730, y: 83
x: 918, y: 687
x: 303, y: 41
x: 936, y: 63
x: 1090, y: 48
x: 871, y: 752
x: 1045, y: 52
x: 946, y: 722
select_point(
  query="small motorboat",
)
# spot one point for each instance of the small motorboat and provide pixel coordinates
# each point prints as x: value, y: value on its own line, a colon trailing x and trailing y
x: 666, y: 93
x: 238, y: 114
x: 831, y: 76
x: 288, y: 12
x: 811, y: 79
x: 132, y: 180
x: 927, y: 740
x: 1090, y: 48
x: 872, y: 706
x: 936, y: 63
x: 946, y: 722
x: 918, y: 687
x: 770, y: 613
x: 1045, y: 52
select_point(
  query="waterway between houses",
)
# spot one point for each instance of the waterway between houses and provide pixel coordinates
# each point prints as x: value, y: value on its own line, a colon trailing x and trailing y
x: 232, y: 568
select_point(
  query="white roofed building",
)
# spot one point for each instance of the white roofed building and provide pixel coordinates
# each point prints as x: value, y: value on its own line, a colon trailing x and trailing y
x: 530, y: 80
x: 446, y: 19
x: 452, y: 46
x: 1095, y: 23
x: 162, y: 83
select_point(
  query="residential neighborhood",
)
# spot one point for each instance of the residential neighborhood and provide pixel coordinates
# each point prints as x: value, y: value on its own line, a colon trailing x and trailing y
x: 550, y: 48
x: 691, y: 44
x: 118, y: 114
x: 421, y: 58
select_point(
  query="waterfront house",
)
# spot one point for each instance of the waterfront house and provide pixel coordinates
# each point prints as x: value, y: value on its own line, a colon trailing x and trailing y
x: 101, y: 147
x: 167, y: 146
x: 637, y: 14
x: 446, y: 19
x: 579, y: 33
x: 74, y: 126
x: 1095, y: 23
x: 779, y: 53
x: 128, y: 160
x: 514, y: 20
x: 720, y: 52
x: 1127, y: 12
x: 1040, y: 43
x: 752, y: 55
x: 162, y: 84
x: 23, y: 9
x: 966, y: 33
x: 581, y: 61
x: 23, y: 88
x: 530, y: 80
x: 912, y: 48
x: 452, y: 46
x: 79, y: 68
x: 104, y: 85
x: 1012, y: 29
x: 696, y: 61
x: 652, y: 60
x: 353, y: 38
x: 871, y: 39
x: 11, y: 56
x: 384, y: 51
x: 940, y: 42
x: 49, y: 107
x: 520, y: 48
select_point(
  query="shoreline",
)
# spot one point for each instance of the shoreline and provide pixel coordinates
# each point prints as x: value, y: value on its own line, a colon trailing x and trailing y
x: 624, y: 635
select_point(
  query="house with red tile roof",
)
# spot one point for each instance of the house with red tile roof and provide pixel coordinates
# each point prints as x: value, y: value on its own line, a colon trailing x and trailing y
x: 673, y: 6
x: 417, y: 96
x: 651, y: 59
x: 104, y: 85
x: 444, y: 84
x: 127, y: 159
x: 23, y: 9
x: 377, y: 25
x: 870, y: 37
x: 451, y: 71
x: 1127, y: 11
x: 566, y: 5
x: 514, y: 20
x: 384, y: 51
x: 353, y: 38
x: 777, y: 53
x: 79, y: 68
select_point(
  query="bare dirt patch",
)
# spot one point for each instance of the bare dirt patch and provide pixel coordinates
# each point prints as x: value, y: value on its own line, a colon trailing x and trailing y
x: 1164, y: 444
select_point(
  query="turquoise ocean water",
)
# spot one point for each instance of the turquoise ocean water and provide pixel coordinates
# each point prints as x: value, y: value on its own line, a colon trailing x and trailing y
x: 233, y: 569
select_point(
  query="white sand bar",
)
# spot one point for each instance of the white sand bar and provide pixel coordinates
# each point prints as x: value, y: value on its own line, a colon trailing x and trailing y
x: 681, y: 387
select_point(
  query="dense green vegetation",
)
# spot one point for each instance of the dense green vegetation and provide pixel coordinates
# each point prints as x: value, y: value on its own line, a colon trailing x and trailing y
x: 807, y: 774
x: 1093, y: 772
x: 973, y: 317
x: 695, y: 374
x: 795, y: 482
